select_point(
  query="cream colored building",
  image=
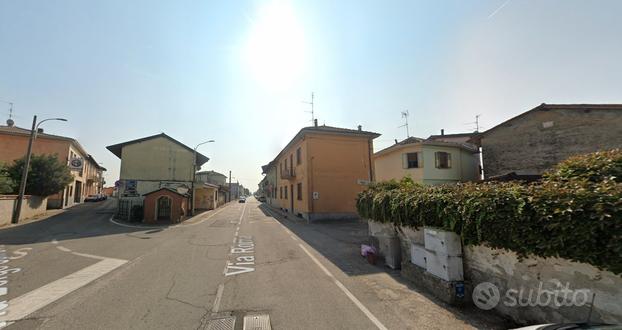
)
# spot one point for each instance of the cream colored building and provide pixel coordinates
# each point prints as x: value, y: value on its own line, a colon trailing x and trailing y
x: 427, y: 161
x: 155, y: 162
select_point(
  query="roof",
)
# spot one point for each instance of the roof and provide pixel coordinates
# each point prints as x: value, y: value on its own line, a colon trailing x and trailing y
x: 545, y: 107
x: 416, y: 140
x: 166, y: 188
x: 330, y: 130
x: 456, y: 135
x: 212, y: 172
x: 14, y: 130
x: 116, y: 148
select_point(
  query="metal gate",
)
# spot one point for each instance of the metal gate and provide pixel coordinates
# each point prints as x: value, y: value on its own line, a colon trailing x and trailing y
x: 164, y: 208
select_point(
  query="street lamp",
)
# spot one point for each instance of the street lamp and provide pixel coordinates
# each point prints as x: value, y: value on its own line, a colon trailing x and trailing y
x: 194, y: 171
x: 22, y: 184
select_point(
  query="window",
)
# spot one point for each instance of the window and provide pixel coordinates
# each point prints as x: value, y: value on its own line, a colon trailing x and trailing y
x: 281, y: 192
x: 285, y: 192
x: 443, y: 159
x: 298, y: 156
x: 299, y: 191
x: 412, y: 160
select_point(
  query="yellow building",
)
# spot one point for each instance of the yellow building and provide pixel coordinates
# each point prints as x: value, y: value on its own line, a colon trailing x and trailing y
x: 428, y: 161
x: 321, y: 170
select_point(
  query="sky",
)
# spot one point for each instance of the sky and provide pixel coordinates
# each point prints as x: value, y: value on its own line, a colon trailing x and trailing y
x: 239, y: 71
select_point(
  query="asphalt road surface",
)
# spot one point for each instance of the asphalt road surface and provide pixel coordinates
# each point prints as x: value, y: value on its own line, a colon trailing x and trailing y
x: 228, y: 268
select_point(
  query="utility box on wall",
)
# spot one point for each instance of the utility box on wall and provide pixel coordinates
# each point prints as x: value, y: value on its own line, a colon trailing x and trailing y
x: 443, y: 242
x: 443, y: 266
x: 418, y: 255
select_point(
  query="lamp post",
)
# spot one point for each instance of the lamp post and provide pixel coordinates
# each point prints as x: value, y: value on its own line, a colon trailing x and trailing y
x: 22, y: 184
x: 194, y: 171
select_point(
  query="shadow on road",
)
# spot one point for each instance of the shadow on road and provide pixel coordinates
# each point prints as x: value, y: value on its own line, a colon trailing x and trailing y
x: 81, y: 221
x: 339, y: 241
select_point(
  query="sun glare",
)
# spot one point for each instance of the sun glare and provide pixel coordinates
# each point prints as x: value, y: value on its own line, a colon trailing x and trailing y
x: 275, y: 48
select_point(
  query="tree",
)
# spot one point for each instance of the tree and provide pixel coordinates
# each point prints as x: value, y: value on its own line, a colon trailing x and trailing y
x: 7, y: 185
x: 46, y: 175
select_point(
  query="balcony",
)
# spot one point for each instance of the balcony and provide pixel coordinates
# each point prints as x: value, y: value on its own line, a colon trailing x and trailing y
x: 288, y: 173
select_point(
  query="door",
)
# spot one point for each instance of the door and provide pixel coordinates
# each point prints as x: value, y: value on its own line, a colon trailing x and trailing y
x: 291, y: 198
x: 164, y: 208
x: 78, y: 192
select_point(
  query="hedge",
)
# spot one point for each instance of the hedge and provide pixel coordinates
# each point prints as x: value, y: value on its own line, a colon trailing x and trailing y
x: 574, y: 212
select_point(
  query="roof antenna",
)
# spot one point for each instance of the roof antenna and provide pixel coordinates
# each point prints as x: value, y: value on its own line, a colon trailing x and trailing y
x: 312, y: 107
x: 476, y: 123
x: 10, y: 122
x: 405, y: 115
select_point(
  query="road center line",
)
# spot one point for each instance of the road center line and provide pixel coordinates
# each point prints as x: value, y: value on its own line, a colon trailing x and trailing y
x: 221, y: 288
x: 345, y: 290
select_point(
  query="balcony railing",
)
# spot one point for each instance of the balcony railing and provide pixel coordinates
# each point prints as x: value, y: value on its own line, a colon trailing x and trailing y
x: 288, y: 173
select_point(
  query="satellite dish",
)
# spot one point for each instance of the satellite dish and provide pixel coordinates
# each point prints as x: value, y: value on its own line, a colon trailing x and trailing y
x: 10, y: 122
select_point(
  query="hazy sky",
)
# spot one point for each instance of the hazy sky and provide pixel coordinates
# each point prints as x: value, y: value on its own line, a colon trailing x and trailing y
x: 238, y: 71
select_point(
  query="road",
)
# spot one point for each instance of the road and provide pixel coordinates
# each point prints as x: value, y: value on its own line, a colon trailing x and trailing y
x: 239, y: 264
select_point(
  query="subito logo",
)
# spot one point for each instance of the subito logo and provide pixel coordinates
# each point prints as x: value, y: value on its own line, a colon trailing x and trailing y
x: 486, y: 295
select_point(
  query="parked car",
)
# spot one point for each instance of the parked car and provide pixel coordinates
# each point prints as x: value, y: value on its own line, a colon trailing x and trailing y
x: 261, y: 199
x: 242, y: 200
x: 92, y: 198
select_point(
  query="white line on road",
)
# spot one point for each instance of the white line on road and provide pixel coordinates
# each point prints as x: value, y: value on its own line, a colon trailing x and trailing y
x: 32, y: 301
x: 345, y: 290
x: 221, y: 288
x: 64, y: 249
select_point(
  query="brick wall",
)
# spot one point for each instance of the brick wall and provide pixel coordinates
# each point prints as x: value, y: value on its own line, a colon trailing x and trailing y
x: 536, y: 141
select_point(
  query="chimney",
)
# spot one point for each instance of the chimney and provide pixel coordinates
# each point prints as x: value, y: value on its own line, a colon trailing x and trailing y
x: 442, y: 132
x: 315, y: 122
x: 39, y: 130
x: 395, y: 141
x: 360, y: 128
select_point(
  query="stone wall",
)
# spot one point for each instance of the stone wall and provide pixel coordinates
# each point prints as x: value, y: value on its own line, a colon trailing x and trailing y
x: 539, y: 139
x: 532, y: 275
x: 31, y: 206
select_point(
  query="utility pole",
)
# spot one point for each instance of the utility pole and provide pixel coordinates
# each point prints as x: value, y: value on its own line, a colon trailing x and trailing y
x: 312, y: 103
x: 229, y: 185
x: 22, y: 185
x: 405, y: 115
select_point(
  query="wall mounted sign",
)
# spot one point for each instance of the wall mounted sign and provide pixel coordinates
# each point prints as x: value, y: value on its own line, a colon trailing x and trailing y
x: 76, y: 163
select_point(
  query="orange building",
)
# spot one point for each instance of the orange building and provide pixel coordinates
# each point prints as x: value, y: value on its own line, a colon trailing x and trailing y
x: 87, y: 180
x: 321, y: 170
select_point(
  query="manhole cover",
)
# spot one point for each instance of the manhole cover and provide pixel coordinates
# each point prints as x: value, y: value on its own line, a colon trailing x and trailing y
x: 257, y: 322
x: 224, y: 323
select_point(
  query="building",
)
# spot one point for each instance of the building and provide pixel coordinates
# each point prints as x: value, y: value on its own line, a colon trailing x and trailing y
x: 152, y: 163
x: 270, y: 183
x: 165, y: 204
x: 457, y: 138
x: 219, y: 182
x: 321, y: 171
x: 87, y: 177
x: 427, y: 161
x: 212, y: 177
x: 534, y: 141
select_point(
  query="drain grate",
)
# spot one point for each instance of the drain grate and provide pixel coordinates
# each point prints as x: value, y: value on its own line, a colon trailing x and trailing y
x: 223, y: 323
x: 257, y: 322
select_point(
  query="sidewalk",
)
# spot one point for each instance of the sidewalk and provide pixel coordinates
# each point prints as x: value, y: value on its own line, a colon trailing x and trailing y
x: 340, y: 243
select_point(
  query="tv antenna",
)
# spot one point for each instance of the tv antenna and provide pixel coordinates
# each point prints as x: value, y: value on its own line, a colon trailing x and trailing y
x: 312, y: 107
x: 405, y: 115
x: 9, y: 121
x: 476, y: 123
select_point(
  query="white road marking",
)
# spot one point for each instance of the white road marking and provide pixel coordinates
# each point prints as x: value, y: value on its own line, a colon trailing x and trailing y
x: 32, y: 301
x: 54, y: 241
x: 183, y: 224
x: 64, y: 249
x: 294, y: 238
x: 345, y: 290
x: 221, y: 288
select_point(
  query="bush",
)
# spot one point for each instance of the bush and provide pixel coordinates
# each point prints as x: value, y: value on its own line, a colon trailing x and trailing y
x: 575, y: 212
x: 7, y: 185
x: 46, y: 175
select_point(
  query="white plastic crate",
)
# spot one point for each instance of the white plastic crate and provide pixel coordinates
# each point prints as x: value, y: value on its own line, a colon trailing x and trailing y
x: 448, y: 268
x: 418, y: 255
x: 443, y: 242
